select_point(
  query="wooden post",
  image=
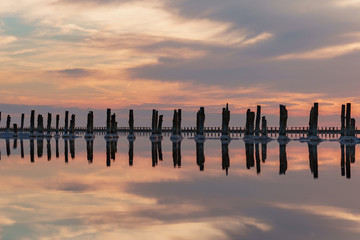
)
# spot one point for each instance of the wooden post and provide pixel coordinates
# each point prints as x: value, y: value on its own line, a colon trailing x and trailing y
x: 66, y: 127
x: 175, y: 122
x: 15, y: 129
x: 57, y: 123
x: 257, y: 122
x: 263, y: 127
x: 200, y: 121
x: 8, y: 122
x: 40, y: 122
x: 22, y: 122
x: 179, y: 119
x: 283, y: 120
x: 154, y: 123
x: 90, y: 124
x: 108, y: 121
x: 313, y: 120
x: 225, y: 121
x: 49, y: 124
x: 343, y: 120
x: 250, y: 117
x: 72, y: 124
x: 32, y: 122
x: 352, y: 128
x: 159, y: 127
x: 131, y: 122
x: 348, y: 118
x: 113, y: 124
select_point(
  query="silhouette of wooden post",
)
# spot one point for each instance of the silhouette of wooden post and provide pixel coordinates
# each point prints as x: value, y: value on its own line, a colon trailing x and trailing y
x: 57, y: 124
x: 225, y: 121
x: 159, y: 127
x: 32, y: 122
x: 8, y: 122
x: 352, y: 128
x: 200, y: 121
x: 40, y: 125
x: 257, y: 122
x: 343, y: 120
x: 66, y: 127
x: 178, y: 125
x: 131, y: 122
x: 90, y: 124
x: 283, y: 120
x: 154, y: 122
x: 49, y: 124
x: 263, y: 127
x: 15, y: 130
x: 313, y: 120
x: 175, y: 124
x: 249, y: 128
x: 22, y: 122
x: 72, y: 125
x: 348, y: 118
x: 108, y: 122
x: 113, y: 124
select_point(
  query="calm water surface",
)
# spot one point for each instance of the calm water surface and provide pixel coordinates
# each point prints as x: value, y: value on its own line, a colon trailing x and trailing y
x: 103, y: 190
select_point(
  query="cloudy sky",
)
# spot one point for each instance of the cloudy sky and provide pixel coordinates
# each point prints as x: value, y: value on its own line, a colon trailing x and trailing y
x: 171, y: 53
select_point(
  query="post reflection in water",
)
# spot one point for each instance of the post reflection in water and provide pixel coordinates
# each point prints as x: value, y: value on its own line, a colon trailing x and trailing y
x: 57, y: 148
x: 263, y: 151
x: 249, y: 152
x: 22, y: 148
x: 200, y: 156
x: 131, y: 152
x: 176, y: 153
x: 225, y: 156
x: 72, y: 148
x: 8, y: 151
x: 347, y: 158
x: 32, y: 151
x: 66, y: 151
x: 257, y: 157
x: 108, y: 153
x: 90, y: 150
x: 48, y: 147
x: 40, y: 147
x: 313, y: 158
x: 282, y: 158
x: 15, y: 143
x: 113, y: 145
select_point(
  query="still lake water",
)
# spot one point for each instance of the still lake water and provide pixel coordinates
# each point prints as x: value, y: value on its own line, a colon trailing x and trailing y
x: 72, y: 192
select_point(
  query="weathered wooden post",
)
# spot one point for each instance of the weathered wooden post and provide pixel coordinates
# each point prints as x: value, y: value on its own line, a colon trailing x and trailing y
x: 343, y: 120
x: 225, y: 123
x: 57, y: 125
x: 15, y: 130
x: 90, y: 125
x: 72, y: 126
x: 108, y: 123
x: 313, y: 121
x: 179, y: 119
x: 40, y: 125
x: 249, y: 127
x: 32, y: 123
x: 114, y: 126
x: 283, y: 121
x: 348, y: 118
x: 200, y: 121
x: 257, y: 122
x: 175, y: 124
x: 263, y: 127
x: 352, y: 128
x: 154, y: 122
x: 159, y: 127
x: 131, y: 124
x: 283, y: 159
x: 48, y: 128
x: 22, y: 123
x: 176, y: 127
x: 8, y: 122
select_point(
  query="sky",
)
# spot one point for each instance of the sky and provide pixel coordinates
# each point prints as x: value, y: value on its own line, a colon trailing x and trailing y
x: 168, y: 54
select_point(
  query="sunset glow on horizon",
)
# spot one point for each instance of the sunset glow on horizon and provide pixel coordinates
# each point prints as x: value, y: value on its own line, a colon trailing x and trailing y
x: 166, y: 54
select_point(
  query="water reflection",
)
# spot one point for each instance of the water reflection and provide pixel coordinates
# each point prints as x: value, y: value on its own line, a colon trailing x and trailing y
x: 131, y: 152
x: 176, y: 153
x: 282, y: 158
x: 48, y: 147
x: 225, y: 156
x: 156, y: 152
x: 200, y: 156
x: 90, y: 150
x: 313, y: 159
x: 249, y: 152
